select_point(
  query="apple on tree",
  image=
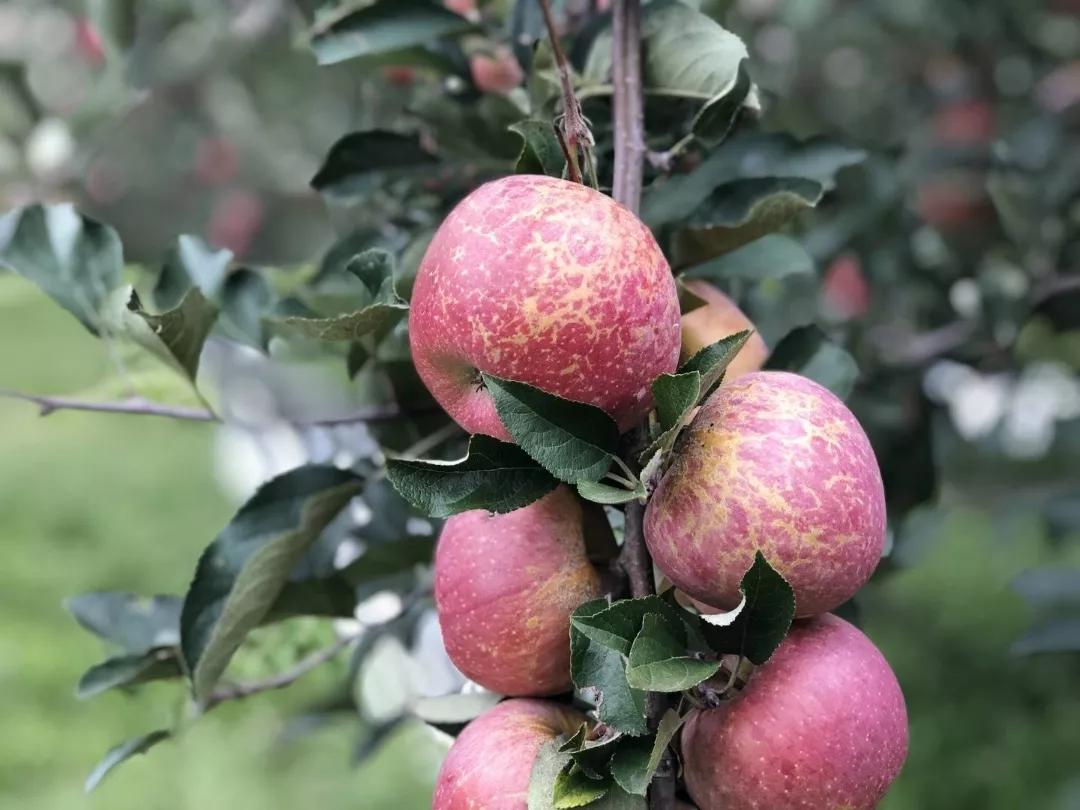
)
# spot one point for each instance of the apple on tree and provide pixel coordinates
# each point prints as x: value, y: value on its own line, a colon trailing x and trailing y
x: 546, y: 282
x: 821, y: 725
x: 490, y: 762
x: 505, y: 586
x: 772, y: 462
x: 719, y: 318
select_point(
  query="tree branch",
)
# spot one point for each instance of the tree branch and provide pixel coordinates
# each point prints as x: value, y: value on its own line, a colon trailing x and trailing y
x: 629, y: 169
x: 137, y: 406
x: 239, y: 691
x: 573, y: 131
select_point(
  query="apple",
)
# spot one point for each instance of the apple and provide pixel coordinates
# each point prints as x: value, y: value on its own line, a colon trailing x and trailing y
x: 546, y: 282
x: 845, y: 291
x: 497, y: 72
x: 821, y: 725
x: 772, y: 462
x: 719, y: 318
x: 505, y: 586
x: 490, y: 762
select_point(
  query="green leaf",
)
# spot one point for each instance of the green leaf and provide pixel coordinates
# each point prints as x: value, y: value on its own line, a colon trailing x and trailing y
x: 675, y: 394
x: 763, y: 620
x: 594, y: 666
x: 547, y: 766
x: 808, y: 351
x: 715, y: 120
x: 129, y: 670
x: 243, y: 571
x: 123, y: 752
x: 571, y: 440
x: 190, y: 263
x: 771, y: 257
x: 600, y: 492
x: 246, y: 301
x: 658, y: 661
x: 359, y: 160
x: 592, y: 756
x: 712, y: 361
x: 134, y: 623
x: 617, y: 624
x: 575, y: 788
x: 475, y: 131
x: 176, y: 336
x: 686, y: 55
x: 375, y: 269
x: 384, y: 27
x: 75, y: 260
x: 540, y: 150
x: 452, y: 712
x: 618, y: 799
x: 1055, y: 635
x: 635, y: 762
x: 496, y: 476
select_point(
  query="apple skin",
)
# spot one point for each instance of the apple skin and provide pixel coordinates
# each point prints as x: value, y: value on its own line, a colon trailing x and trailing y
x: 772, y: 462
x: 822, y: 725
x: 546, y: 282
x: 505, y: 586
x: 719, y: 318
x: 490, y: 762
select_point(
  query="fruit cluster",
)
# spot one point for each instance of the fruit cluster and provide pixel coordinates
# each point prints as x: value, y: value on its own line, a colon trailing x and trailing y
x: 553, y: 284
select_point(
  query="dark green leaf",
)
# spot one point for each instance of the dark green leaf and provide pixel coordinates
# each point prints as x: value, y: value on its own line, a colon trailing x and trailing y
x: 540, y: 150
x: 496, y: 476
x: 357, y: 160
x: 75, y: 260
x: 595, y: 666
x: 715, y: 120
x: 571, y: 440
x: 246, y: 302
x: 134, y: 623
x: 617, y: 624
x: 380, y: 561
x: 658, y: 661
x: 190, y: 263
x: 618, y: 799
x: 592, y: 756
x: 763, y: 619
x: 808, y: 351
x: 129, y: 670
x: 600, y: 492
x: 575, y: 788
x: 636, y: 760
x: 712, y: 361
x: 176, y: 336
x: 242, y: 573
x: 771, y: 257
x: 675, y: 394
x: 386, y: 26
x: 475, y: 131
x: 122, y: 753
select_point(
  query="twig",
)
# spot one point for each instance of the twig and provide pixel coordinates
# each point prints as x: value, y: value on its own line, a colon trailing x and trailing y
x: 573, y: 131
x: 239, y: 691
x: 137, y: 406
x: 431, y: 441
x: 629, y: 170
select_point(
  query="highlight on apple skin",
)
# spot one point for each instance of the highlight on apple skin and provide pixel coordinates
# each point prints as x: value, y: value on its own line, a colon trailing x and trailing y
x: 822, y: 725
x: 546, y: 282
x: 505, y: 586
x: 490, y: 762
x: 777, y: 463
x: 719, y: 318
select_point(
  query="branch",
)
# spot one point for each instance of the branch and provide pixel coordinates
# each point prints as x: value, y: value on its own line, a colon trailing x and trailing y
x: 573, y: 131
x: 239, y: 691
x: 137, y: 406
x: 629, y: 170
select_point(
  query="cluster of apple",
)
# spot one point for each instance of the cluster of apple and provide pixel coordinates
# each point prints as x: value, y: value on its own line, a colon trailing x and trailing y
x: 552, y: 283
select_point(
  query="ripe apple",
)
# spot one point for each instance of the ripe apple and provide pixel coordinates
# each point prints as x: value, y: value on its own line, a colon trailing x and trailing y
x: 546, y: 282
x: 490, y: 762
x: 719, y: 318
x: 497, y: 72
x: 772, y: 462
x: 505, y: 586
x: 821, y: 725
x: 845, y: 291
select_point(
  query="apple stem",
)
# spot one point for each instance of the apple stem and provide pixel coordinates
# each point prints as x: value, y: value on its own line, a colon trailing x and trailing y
x: 571, y: 127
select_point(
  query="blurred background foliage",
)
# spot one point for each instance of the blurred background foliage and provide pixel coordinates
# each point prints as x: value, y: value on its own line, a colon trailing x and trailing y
x: 947, y: 265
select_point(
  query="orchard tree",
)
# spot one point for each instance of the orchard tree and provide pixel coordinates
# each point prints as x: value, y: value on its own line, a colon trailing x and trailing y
x: 644, y: 500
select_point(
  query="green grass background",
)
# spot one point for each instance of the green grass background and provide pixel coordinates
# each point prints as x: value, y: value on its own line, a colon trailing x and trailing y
x: 92, y: 502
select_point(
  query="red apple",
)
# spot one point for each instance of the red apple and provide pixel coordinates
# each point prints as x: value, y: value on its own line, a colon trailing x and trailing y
x: 497, y: 72
x: 489, y: 765
x: 505, y: 586
x: 845, y: 291
x: 821, y: 725
x: 719, y: 318
x: 466, y: 8
x: 549, y: 283
x: 772, y: 462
